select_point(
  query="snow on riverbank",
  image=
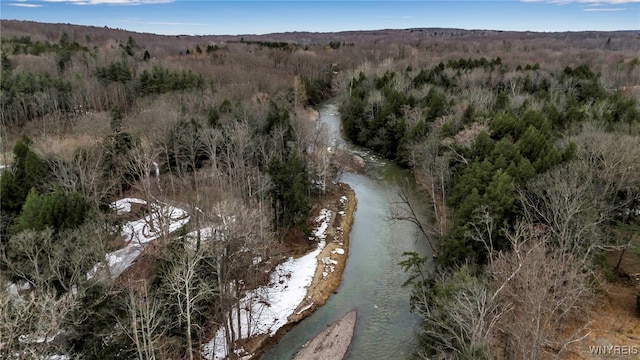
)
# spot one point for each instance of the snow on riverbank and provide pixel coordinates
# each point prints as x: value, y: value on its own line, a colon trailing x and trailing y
x: 163, y: 220
x: 272, y: 305
x: 323, y: 221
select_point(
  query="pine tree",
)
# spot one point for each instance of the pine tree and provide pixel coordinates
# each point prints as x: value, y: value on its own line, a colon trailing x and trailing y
x: 28, y: 171
x: 6, y: 63
x: 58, y: 211
x: 291, y: 199
x: 116, y: 120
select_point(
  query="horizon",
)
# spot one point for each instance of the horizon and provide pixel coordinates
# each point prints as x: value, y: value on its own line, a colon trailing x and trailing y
x: 202, y: 18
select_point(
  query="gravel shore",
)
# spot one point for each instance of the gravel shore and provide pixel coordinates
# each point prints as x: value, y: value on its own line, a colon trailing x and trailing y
x: 332, y: 343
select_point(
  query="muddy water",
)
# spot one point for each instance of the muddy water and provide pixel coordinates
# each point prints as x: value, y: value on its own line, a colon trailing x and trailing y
x: 372, y: 280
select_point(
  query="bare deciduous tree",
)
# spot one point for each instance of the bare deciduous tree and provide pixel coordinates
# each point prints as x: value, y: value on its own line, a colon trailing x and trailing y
x: 30, y: 323
x: 435, y: 172
x: 320, y: 156
x: 517, y: 307
x: 612, y: 158
x: 144, y: 323
x: 406, y: 208
x: 240, y: 241
x: 143, y: 165
x: 459, y: 314
x: 539, y: 287
x: 84, y: 173
x: 567, y: 201
x: 186, y: 289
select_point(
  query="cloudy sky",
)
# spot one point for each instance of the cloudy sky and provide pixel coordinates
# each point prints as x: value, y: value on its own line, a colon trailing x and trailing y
x: 203, y: 17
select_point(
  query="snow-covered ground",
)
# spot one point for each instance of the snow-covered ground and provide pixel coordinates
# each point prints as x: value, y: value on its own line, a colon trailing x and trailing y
x: 164, y: 219
x: 272, y: 305
x: 14, y: 289
x: 323, y: 221
x: 123, y: 206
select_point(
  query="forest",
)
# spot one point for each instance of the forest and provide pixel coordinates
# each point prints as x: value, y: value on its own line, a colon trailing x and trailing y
x: 525, y: 148
x: 532, y: 178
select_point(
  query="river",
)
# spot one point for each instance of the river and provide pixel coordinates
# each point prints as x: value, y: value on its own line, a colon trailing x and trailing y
x: 372, y: 280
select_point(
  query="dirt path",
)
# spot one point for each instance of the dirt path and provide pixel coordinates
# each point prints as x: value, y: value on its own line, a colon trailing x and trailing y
x: 332, y: 343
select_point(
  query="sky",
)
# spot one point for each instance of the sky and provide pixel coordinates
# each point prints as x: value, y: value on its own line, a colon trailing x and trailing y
x: 216, y: 17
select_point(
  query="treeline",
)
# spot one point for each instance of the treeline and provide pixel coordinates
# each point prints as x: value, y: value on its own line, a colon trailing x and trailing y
x: 379, y: 111
x: 119, y: 76
x: 27, y: 96
x: 160, y: 80
x: 513, y: 162
x: 336, y: 44
x: 24, y: 45
x: 269, y: 44
x: 157, y: 81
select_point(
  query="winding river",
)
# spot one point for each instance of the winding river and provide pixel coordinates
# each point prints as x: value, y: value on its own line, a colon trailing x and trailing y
x: 372, y: 280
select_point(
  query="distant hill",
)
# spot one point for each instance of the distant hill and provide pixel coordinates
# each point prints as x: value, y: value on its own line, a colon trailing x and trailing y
x: 100, y: 35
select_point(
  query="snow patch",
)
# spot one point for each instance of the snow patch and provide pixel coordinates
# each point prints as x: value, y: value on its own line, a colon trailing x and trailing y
x: 163, y: 220
x: 271, y: 305
x: 205, y: 234
x: 323, y: 220
x: 267, y: 309
x: 338, y: 251
x: 123, y: 206
x: 14, y: 289
x: 328, y: 261
x: 156, y: 168
x: 304, y: 309
x: 31, y: 339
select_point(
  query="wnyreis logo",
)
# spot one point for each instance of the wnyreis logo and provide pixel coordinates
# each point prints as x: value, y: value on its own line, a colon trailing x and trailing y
x: 615, y: 350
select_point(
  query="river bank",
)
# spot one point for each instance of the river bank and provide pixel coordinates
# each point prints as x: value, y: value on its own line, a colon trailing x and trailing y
x: 340, y: 202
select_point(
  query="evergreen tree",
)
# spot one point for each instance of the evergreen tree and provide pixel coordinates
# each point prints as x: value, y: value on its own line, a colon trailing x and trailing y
x: 27, y: 171
x: 6, y: 63
x: 116, y: 120
x: 290, y: 191
x: 93, y: 323
x: 57, y: 210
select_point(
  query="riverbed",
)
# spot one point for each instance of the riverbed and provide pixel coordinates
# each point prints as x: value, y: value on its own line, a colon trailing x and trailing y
x: 372, y: 280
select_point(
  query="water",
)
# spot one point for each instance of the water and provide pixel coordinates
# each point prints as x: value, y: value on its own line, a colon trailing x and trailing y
x: 372, y: 280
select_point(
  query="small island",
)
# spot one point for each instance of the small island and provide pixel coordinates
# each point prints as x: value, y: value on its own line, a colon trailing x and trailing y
x: 333, y: 342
